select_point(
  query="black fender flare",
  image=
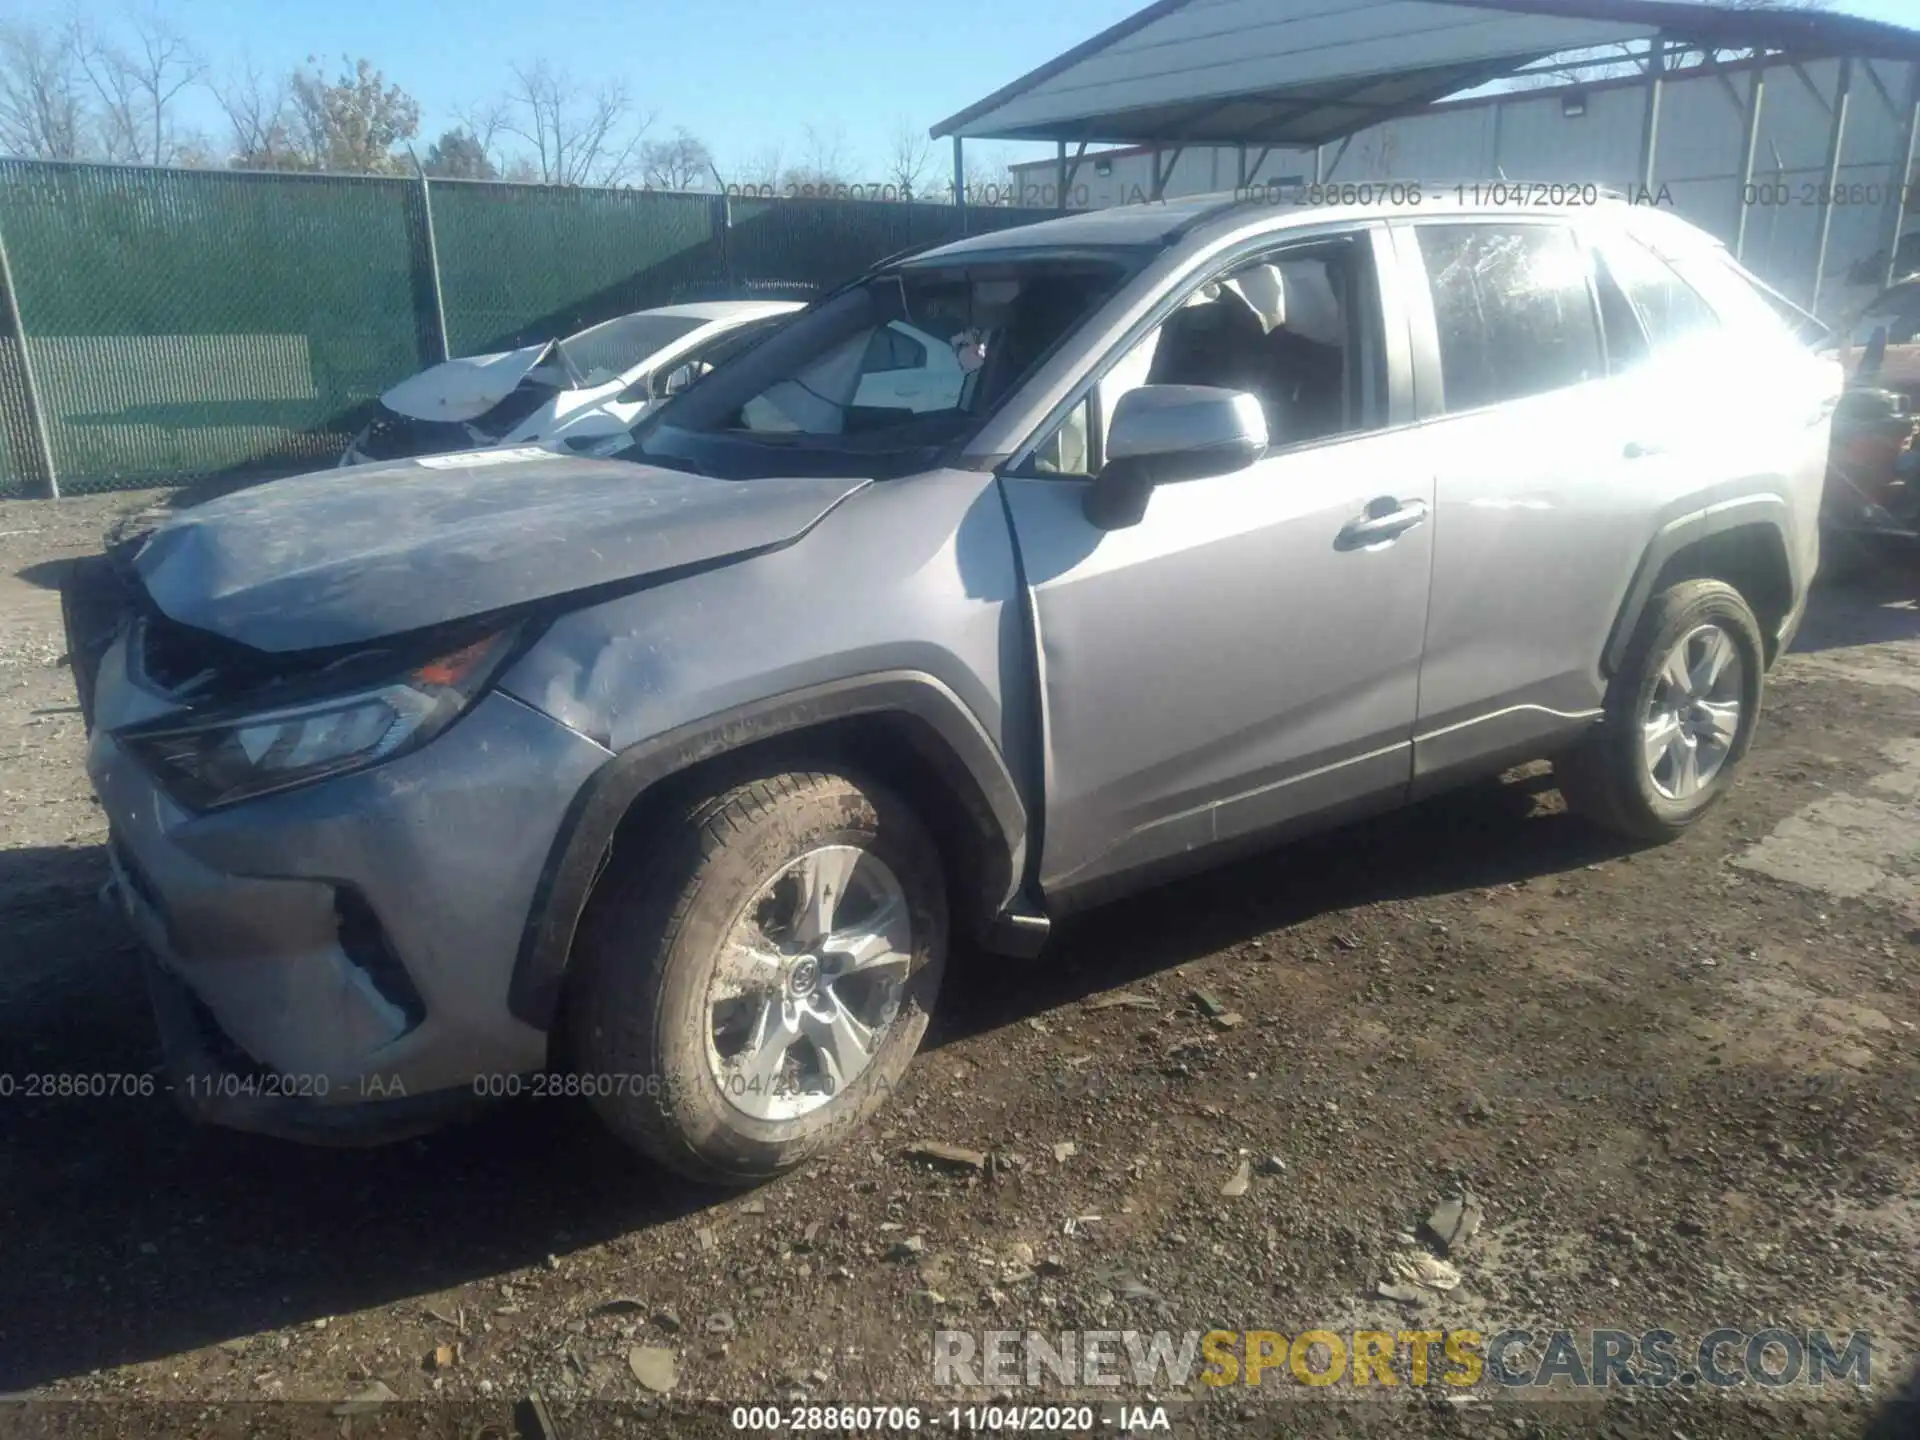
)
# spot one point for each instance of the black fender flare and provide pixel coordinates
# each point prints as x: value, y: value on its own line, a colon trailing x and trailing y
x: 961, y: 746
x: 1670, y: 539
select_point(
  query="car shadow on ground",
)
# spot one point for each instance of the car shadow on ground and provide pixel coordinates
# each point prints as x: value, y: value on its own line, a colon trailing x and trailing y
x: 1869, y: 607
x: 1898, y: 1418
x: 134, y: 1235
x: 1494, y: 833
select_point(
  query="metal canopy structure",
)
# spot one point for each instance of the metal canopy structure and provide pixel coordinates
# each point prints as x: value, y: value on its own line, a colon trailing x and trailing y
x: 1303, y: 73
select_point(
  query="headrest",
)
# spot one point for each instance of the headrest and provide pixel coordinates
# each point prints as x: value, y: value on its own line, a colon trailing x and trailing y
x: 1311, y: 309
x: 1262, y: 288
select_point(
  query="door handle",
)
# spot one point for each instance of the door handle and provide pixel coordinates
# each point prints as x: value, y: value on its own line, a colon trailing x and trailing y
x: 1383, y: 519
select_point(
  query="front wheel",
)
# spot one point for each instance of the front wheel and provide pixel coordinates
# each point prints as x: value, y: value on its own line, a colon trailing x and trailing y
x: 1679, y: 715
x: 752, y: 987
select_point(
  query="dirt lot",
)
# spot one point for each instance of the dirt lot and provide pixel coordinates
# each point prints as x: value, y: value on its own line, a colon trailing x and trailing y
x: 1681, y: 1085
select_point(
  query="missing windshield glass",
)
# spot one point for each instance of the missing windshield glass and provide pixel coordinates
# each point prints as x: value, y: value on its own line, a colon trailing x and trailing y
x: 908, y: 362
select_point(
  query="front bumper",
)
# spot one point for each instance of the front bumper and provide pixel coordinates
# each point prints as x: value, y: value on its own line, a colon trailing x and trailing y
x: 214, y: 1085
x: 334, y: 961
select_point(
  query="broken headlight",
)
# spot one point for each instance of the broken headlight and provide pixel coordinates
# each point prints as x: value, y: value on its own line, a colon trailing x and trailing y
x: 213, y: 759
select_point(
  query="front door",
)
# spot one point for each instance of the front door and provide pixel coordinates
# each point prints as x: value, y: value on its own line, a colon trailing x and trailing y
x: 1248, y: 654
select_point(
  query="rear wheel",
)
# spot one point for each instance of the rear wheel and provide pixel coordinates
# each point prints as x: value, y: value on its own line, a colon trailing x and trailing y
x: 752, y: 987
x: 1679, y: 715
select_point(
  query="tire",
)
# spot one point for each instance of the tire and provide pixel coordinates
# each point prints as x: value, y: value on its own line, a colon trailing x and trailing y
x: 674, y: 1070
x: 1611, y: 780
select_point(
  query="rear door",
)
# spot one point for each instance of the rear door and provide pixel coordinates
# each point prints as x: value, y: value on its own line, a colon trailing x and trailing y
x: 1543, y: 486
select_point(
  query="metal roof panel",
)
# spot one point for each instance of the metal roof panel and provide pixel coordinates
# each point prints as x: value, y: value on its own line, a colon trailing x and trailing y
x: 1232, y: 71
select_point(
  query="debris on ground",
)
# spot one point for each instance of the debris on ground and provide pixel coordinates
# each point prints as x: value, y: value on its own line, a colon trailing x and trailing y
x: 1423, y: 1274
x: 1454, y: 1222
x: 1242, y: 1178
x: 953, y: 1157
x: 538, y: 1418
x: 654, y: 1367
x: 370, y: 1396
x: 1123, y: 999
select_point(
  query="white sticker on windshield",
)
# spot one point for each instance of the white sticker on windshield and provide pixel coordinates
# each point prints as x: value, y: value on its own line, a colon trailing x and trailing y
x: 466, y: 459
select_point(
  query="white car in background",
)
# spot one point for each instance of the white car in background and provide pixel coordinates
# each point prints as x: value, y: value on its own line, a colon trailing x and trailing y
x: 582, y: 393
x: 892, y: 368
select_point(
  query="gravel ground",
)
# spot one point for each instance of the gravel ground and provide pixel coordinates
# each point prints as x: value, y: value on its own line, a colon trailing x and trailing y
x: 1679, y: 1086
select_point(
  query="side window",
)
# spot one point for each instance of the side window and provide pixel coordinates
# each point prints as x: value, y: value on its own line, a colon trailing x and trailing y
x: 1297, y: 328
x: 1671, y: 309
x: 1513, y: 310
x: 893, y: 349
x: 1067, y: 452
x: 703, y: 360
x: 1626, y: 341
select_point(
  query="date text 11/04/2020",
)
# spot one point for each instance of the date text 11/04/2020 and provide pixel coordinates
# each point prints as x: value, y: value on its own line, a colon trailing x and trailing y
x: 1030, y: 196
x: 1412, y: 193
x: 995, y: 1418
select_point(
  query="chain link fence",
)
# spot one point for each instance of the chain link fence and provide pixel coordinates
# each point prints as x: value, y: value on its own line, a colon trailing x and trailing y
x: 165, y: 326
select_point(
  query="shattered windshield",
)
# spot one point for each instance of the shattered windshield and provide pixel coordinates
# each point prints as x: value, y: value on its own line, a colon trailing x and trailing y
x: 881, y: 376
x: 606, y: 352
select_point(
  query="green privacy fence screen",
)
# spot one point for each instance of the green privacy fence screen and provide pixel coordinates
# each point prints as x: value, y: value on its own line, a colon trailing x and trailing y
x: 180, y: 324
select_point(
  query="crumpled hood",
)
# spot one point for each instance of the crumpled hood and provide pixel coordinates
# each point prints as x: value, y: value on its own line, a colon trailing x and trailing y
x: 464, y: 388
x: 344, y: 557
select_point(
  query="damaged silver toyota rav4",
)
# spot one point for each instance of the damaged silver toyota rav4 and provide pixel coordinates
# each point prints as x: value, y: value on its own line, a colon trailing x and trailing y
x: 679, y: 773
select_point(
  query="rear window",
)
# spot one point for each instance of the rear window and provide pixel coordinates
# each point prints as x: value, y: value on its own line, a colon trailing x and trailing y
x: 1744, y: 300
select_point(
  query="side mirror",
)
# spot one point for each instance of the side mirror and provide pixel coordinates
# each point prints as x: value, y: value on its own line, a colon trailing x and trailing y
x: 1165, y: 433
x: 1874, y: 357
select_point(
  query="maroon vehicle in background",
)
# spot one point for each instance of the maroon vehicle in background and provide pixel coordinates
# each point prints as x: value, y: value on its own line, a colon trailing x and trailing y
x: 1871, y: 508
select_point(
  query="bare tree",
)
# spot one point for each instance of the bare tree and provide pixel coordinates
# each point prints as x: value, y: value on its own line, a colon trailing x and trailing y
x: 824, y: 160
x: 259, y: 117
x: 681, y: 163
x: 137, y: 81
x: 760, y: 172
x: 909, y: 156
x: 577, y: 138
x: 990, y: 177
x: 43, y: 109
x: 487, y: 123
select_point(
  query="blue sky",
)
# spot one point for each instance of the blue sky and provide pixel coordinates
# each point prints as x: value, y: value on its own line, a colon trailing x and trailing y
x: 744, y: 75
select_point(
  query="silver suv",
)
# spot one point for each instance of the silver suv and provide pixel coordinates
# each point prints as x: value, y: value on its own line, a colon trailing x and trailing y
x: 671, y: 778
